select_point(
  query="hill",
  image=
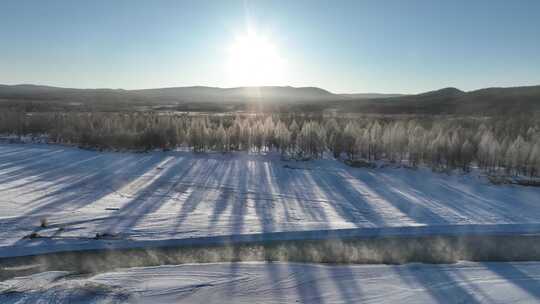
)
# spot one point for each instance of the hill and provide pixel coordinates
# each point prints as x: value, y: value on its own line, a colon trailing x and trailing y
x: 452, y: 101
x: 174, y: 94
x: 487, y: 101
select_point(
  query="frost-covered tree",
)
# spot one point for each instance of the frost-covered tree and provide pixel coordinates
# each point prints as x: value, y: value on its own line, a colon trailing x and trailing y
x: 283, y: 137
x: 334, y: 137
x: 310, y: 140
x: 198, y: 135
x: 496, y: 144
x: 351, y: 134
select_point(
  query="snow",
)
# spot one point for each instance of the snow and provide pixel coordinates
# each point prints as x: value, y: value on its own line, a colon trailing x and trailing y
x: 156, y: 198
x: 260, y: 282
x: 180, y: 198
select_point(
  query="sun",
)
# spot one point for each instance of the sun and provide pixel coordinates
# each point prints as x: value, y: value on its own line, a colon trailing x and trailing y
x: 254, y: 60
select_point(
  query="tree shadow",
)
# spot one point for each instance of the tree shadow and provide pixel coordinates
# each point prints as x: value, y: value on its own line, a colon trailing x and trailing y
x: 516, y: 276
x: 88, y: 187
x: 436, y: 280
x: 57, y: 175
x: 204, y: 172
x: 455, y: 201
x: 348, y: 286
x: 151, y: 197
x: 78, y: 187
x: 34, y: 164
x: 350, y: 204
x: 401, y: 199
x: 296, y: 190
x: 228, y: 195
x: 306, y: 283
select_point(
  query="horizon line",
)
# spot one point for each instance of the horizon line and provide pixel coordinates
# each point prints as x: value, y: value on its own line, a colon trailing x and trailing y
x: 262, y: 86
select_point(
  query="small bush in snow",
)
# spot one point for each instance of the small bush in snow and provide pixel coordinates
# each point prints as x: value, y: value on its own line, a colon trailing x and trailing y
x: 33, y: 235
x: 43, y: 222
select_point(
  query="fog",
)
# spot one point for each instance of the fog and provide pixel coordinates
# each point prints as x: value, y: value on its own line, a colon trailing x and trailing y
x: 381, y: 250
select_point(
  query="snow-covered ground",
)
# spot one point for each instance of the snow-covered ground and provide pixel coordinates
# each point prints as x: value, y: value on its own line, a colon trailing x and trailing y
x: 180, y: 195
x: 286, y: 283
x: 181, y: 198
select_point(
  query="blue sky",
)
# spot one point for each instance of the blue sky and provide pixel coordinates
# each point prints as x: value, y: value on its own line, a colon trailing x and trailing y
x: 404, y: 46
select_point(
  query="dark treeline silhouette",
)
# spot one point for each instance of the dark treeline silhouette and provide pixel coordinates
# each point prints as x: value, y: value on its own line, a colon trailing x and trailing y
x: 496, y: 144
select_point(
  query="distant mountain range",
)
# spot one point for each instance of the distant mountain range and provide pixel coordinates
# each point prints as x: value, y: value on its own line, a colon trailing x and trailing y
x: 183, y: 94
x: 284, y: 98
x: 454, y: 101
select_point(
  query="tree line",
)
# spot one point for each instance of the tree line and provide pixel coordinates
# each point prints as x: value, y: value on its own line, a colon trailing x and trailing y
x: 510, y: 145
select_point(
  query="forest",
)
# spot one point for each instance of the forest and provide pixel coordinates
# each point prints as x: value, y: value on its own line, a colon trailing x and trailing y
x: 495, y: 144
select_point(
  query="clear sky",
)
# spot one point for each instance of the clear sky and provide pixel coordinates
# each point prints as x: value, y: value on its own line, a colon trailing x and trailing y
x: 401, y: 46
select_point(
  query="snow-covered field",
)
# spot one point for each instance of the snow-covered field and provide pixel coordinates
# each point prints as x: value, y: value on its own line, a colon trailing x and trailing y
x: 160, y: 196
x: 286, y: 283
x: 175, y: 198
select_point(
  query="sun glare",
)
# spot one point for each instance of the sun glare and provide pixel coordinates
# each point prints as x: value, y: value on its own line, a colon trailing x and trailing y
x: 254, y: 61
